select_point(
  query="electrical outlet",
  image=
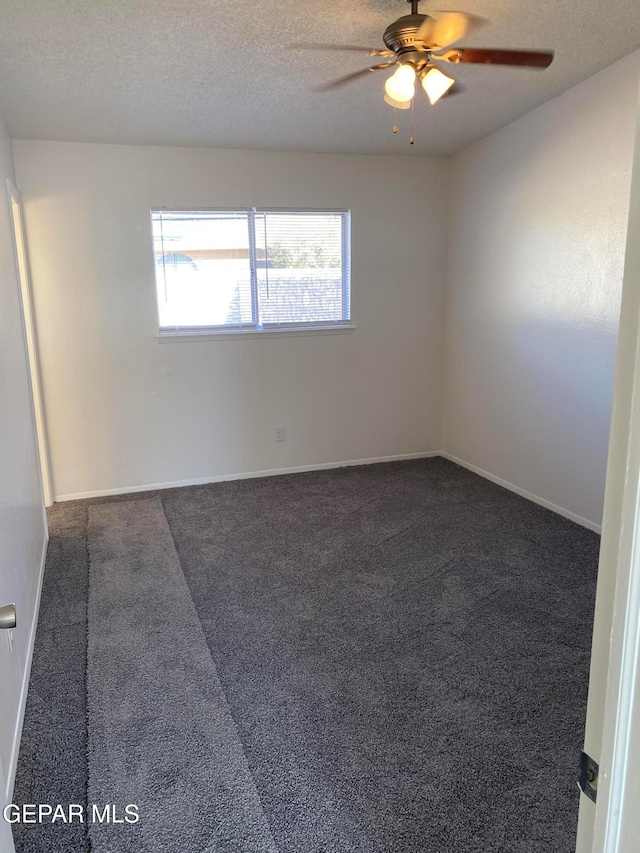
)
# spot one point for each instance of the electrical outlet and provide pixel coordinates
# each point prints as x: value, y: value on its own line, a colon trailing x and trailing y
x: 280, y: 436
x: 10, y: 640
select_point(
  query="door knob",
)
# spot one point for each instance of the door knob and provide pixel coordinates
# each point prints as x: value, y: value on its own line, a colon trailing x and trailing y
x: 8, y: 616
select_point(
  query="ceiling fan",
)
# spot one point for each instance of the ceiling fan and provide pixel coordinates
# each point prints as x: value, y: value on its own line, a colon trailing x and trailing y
x: 416, y: 43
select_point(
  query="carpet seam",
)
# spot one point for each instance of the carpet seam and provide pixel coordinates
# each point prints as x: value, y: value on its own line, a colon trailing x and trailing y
x: 222, y: 687
x: 90, y: 847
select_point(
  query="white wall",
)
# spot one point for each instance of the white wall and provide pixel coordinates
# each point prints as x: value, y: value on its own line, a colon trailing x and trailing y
x: 537, y: 237
x: 22, y: 523
x: 126, y: 411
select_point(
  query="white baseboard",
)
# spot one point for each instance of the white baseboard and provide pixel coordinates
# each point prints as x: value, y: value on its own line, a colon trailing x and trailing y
x: 245, y: 475
x: 591, y: 525
x: 17, y: 735
x: 322, y: 466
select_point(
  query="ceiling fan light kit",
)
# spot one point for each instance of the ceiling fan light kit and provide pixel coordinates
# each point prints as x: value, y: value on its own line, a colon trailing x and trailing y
x: 399, y: 105
x: 401, y: 86
x: 415, y: 43
x: 436, y: 84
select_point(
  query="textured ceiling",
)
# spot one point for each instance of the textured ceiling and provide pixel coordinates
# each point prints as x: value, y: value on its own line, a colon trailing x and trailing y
x: 215, y: 73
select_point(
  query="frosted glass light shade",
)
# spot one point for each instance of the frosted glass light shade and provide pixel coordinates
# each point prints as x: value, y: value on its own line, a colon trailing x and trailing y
x: 436, y: 84
x: 399, y: 105
x: 401, y: 86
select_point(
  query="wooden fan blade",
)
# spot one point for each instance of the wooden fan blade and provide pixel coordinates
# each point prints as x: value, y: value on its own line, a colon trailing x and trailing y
x: 489, y: 56
x: 440, y: 29
x: 372, y: 51
x: 341, y: 81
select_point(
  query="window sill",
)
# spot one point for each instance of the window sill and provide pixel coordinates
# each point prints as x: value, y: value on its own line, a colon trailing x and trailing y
x: 228, y: 335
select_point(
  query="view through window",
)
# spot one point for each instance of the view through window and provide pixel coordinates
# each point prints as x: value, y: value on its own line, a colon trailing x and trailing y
x: 251, y: 269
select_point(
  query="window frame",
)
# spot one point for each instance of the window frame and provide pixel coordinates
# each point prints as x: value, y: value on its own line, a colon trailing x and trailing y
x: 204, y: 332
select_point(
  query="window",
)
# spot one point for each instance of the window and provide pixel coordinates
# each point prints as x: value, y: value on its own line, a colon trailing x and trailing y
x: 251, y: 270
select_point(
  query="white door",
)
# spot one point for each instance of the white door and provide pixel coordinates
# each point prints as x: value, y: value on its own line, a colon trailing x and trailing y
x: 6, y: 840
x: 612, y: 733
x: 23, y: 529
x: 7, y: 725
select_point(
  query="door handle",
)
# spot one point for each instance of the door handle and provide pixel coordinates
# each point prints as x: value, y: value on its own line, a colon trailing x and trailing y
x: 8, y: 616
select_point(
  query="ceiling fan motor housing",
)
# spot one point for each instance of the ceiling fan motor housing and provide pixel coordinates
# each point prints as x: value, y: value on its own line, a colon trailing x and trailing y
x: 400, y: 36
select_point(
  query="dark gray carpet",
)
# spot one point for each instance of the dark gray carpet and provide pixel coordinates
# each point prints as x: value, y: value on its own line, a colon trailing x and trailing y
x: 403, y: 647
x: 404, y: 650
x: 160, y: 732
x: 52, y: 765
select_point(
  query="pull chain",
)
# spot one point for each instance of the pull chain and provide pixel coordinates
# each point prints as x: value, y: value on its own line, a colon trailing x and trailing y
x: 411, y: 140
x: 394, y: 127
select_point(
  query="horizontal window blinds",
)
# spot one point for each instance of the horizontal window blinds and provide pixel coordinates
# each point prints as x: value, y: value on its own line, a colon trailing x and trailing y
x: 203, y: 269
x: 251, y: 269
x: 299, y: 267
